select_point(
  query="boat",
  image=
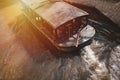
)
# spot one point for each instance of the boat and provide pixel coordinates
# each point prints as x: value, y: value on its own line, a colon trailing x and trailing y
x: 63, y: 24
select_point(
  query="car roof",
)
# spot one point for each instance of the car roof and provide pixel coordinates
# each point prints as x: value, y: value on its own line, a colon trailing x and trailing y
x: 57, y: 13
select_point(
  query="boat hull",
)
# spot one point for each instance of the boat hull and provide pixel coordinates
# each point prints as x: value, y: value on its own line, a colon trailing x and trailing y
x: 85, y: 38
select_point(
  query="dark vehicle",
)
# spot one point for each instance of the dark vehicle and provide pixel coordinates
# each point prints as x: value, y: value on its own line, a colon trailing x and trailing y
x: 64, y: 25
